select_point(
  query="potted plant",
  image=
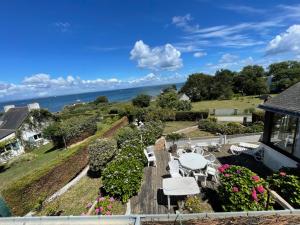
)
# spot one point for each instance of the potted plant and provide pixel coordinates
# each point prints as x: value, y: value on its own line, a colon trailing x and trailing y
x: 174, y: 137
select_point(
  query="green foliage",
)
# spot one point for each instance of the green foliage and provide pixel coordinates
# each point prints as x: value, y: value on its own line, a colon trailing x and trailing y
x: 287, y: 185
x: 101, y: 152
x: 151, y: 131
x: 190, y: 115
x: 241, y: 189
x: 107, y: 206
x: 101, y: 99
x: 132, y: 149
x: 125, y: 134
x: 122, y: 178
x: 159, y: 114
x: 183, y: 105
x: 193, y: 204
x: 168, y: 100
x: 230, y: 127
x: 174, y: 137
x: 170, y: 88
x: 70, y: 130
x: 141, y: 100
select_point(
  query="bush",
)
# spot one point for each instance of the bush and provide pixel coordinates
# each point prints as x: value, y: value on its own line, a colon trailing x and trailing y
x: 101, y: 99
x: 258, y: 116
x: 190, y: 115
x: 184, y: 105
x: 241, y: 189
x: 122, y: 178
x: 141, y: 100
x: 132, y: 149
x: 101, y: 152
x: 287, y: 185
x: 160, y: 114
x: 107, y: 206
x: 151, y: 132
x: 174, y: 137
x: 193, y: 204
x: 126, y: 133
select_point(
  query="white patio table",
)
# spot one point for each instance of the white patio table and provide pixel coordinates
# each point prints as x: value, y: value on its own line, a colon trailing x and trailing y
x: 178, y: 186
x: 192, y: 161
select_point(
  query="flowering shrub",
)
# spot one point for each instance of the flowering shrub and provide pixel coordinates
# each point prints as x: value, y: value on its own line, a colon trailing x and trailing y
x: 287, y: 185
x: 122, y: 178
x: 193, y: 204
x: 151, y: 132
x: 101, y: 152
x: 132, y: 149
x: 241, y: 189
x: 125, y: 134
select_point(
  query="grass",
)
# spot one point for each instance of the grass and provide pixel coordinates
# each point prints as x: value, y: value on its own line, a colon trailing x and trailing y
x: 240, y: 103
x: 198, y: 133
x: 173, y: 126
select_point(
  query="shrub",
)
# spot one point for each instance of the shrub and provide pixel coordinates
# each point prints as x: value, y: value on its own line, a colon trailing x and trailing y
x: 241, y: 189
x: 184, y: 105
x: 160, y: 114
x: 193, y: 204
x: 258, y: 116
x: 107, y: 206
x: 101, y: 152
x: 122, y: 178
x: 174, y: 137
x: 126, y: 133
x: 133, y: 149
x: 151, y: 132
x: 190, y: 115
x: 141, y: 100
x: 101, y: 99
x: 287, y: 185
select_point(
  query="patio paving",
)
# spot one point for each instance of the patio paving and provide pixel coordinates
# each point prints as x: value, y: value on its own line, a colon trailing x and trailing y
x: 151, y: 199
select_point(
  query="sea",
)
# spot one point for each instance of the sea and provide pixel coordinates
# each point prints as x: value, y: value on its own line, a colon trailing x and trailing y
x: 57, y: 103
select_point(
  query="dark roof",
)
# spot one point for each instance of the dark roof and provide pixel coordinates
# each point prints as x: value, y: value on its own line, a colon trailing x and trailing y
x: 13, y: 118
x: 287, y: 102
x: 5, y: 132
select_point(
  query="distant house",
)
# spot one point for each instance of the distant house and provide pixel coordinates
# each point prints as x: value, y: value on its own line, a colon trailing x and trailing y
x: 281, y: 138
x: 184, y: 97
x: 15, y: 133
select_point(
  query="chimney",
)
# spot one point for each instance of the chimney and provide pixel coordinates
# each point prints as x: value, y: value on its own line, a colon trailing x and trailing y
x: 33, y: 106
x: 8, y: 107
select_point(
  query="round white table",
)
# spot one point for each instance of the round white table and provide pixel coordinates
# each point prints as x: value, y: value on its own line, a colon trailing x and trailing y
x: 192, y: 161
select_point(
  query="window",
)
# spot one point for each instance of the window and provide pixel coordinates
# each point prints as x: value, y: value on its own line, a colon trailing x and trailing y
x: 283, y: 132
x: 37, y: 136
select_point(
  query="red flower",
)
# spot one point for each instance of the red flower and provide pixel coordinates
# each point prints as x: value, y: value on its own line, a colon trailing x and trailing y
x: 235, y: 189
x: 255, y: 178
x: 282, y: 174
x: 260, y: 189
x: 254, y: 195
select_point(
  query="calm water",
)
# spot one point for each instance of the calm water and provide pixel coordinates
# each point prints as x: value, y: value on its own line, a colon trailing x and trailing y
x: 55, y: 104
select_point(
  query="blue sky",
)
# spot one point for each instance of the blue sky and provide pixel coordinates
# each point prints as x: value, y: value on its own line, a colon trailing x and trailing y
x: 61, y: 47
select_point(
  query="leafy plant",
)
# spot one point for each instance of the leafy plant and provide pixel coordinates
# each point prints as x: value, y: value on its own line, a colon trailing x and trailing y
x: 132, y: 149
x: 125, y: 134
x: 122, y: 178
x: 241, y: 189
x: 141, y: 100
x: 101, y: 99
x: 107, y: 206
x: 287, y: 185
x: 193, y: 204
x: 101, y: 152
x: 174, y: 137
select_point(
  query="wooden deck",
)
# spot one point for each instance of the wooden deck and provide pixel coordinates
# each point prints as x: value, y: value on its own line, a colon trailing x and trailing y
x: 150, y: 199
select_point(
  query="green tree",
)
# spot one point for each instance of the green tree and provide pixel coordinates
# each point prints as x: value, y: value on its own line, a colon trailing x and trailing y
x: 141, y: 100
x: 168, y: 100
x: 169, y: 88
x: 198, y: 87
x: 101, y: 99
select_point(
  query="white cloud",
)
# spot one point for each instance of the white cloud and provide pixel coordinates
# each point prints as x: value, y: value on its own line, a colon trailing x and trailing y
x: 287, y: 42
x: 62, y: 26
x: 244, y: 9
x: 199, y: 54
x: 165, y: 57
x: 228, y: 58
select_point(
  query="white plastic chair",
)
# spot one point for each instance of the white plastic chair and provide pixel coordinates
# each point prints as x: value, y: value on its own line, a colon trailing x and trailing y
x: 172, y: 157
x: 175, y: 171
x: 248, y: 145
x: 236, y: 150
x: 211, y: 158
x: 199, y: 150
x: 180, y: 151
x: 200, y: 174
x: 212, y: 171
x: 150, y: 157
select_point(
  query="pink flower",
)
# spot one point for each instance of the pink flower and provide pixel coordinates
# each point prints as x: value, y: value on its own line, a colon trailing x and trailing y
x: 238, y: 171
x: 260, y: 189
x: 101, y: 199
x: 255, y: 178
x: 282, y: 174
x: 223, y: 168
x: 108, y: 213
x: 254, y: 195
x: 227, y: 175
x: 235, y: 189
x: 111, y: 199
x: 97, y: 211
x: 101, y: 209
x: 109, y: 206
x: 89, y: 205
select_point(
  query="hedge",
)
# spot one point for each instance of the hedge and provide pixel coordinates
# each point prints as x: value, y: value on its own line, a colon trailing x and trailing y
x: 258, y: 116
x: 190, y: 115
x: 24, y: 194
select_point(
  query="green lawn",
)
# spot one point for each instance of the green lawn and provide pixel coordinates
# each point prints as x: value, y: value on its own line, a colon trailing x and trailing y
x: 173, y: 126
x: 198, y: 133
x: 240, y: 103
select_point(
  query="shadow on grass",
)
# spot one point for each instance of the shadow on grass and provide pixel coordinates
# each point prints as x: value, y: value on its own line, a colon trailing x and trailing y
x: 54, y: 148
x: 3, y: 168
x: 93, y: 174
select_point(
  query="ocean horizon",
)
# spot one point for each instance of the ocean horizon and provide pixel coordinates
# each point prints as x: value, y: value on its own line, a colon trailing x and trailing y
x: 57, y: 103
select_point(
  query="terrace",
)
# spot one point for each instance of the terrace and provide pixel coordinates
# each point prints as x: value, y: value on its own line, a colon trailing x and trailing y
x: 151, y: 199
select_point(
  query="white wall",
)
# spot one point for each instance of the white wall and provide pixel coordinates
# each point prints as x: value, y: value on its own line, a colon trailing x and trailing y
x: 275, y: 160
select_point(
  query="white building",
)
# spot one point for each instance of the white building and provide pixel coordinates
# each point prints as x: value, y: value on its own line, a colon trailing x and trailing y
x: 184, y: 97
x: 13, y: 123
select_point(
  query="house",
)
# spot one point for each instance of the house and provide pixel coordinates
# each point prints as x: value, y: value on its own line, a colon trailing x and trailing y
x: 16, y: 133
x: 184, y: 97
x: 281, y: 137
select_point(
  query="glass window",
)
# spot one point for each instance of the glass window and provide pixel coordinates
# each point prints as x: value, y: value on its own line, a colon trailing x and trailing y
x: 283, y: 132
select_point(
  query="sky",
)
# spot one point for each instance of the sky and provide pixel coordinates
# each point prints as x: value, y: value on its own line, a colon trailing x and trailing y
x: 62, y: 47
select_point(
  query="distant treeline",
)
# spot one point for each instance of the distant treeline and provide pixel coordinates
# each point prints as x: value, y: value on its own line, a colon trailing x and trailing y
x: 251, y: 80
